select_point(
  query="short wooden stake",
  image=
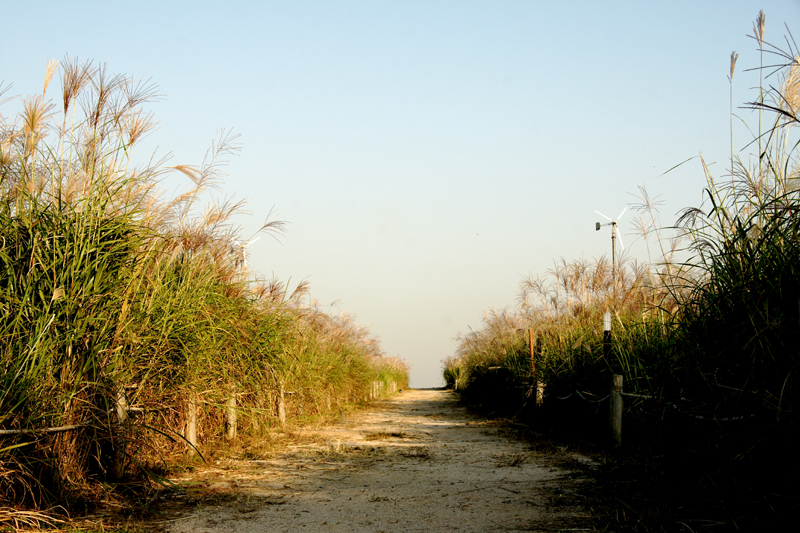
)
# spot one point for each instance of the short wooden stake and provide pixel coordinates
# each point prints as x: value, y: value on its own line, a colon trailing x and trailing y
x: 282, y: 407
x: 191, y: 422
x: 119, y: 444
x: 532, y: 349
x: 230, y: 417
x: 122, y: 406
x: 537, y: 384
x: 615, y: 401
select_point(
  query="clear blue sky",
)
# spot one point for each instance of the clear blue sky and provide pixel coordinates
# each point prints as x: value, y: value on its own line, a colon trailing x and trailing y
x: 427, y: 155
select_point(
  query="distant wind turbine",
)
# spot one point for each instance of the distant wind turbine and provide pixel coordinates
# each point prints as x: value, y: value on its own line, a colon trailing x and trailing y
x: 614, y: 235
x: 243, y: 249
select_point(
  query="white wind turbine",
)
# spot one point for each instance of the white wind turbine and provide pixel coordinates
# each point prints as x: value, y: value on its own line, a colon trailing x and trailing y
x: 243, y: 249
x: 614, y: 235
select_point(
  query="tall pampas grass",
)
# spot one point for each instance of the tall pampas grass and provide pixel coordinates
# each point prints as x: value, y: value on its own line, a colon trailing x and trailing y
x: 119, y: 304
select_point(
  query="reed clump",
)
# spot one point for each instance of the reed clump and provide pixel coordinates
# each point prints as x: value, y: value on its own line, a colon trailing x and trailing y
x: 723, y: 319
x: 707, y: 344
x: 562, y: 312
x: 119, y: 306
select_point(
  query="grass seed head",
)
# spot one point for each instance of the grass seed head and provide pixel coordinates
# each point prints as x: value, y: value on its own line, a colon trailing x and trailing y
x: 758, y: 28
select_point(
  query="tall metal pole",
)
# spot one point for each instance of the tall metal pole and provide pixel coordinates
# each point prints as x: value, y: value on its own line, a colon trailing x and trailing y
x: 613, y: 224
x: 614, y: 257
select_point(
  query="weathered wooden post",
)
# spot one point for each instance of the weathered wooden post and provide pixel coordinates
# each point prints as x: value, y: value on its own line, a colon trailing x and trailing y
x: 121, y: 404
x: 538, y: 385
x: 191, y: 422
x: 615, y: 402
x: 282, y: 406
x: 532, y: 350
x: 230, y: 416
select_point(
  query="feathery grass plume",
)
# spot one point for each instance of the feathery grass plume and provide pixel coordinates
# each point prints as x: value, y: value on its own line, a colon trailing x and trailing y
x: 790, y: 88
x: 74, y: 77
x: 758, y: 34
x: 52, y: 65
x: 758, y: 28
x: 734, y: 57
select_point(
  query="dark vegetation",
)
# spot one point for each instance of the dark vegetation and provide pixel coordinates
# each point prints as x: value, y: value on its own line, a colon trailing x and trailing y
x: 707, y: 345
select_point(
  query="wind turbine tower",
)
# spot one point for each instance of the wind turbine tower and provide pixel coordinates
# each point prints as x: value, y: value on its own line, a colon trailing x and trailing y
x: 243, y: 250
x: 614, y: 235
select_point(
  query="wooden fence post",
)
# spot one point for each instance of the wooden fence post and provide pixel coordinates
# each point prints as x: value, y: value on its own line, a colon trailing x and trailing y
x: 282, y: 407
x: 538, y: 385
x: 191, y: 422
x: 532, y: 350
x: 230, y: 416
x: 615, y: 401
x: 121, y: 404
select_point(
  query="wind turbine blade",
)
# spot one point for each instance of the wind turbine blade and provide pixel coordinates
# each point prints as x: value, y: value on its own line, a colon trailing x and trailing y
x: 619, y: 236
x: 254, y: 240
x: 602, y: 215
x: 623, y: 212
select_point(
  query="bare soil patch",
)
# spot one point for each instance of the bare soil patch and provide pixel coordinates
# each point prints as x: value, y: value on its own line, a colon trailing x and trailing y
x: 416, y: 462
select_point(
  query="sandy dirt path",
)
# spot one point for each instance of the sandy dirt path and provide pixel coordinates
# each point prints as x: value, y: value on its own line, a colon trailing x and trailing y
x: 416, y: 462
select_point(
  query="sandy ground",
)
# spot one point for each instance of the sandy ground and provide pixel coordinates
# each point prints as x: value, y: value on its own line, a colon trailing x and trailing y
x: 415, y: 462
